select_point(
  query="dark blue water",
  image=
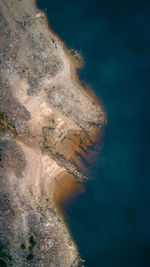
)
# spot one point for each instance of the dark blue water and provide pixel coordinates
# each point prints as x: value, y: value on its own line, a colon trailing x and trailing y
x: 111, y: 222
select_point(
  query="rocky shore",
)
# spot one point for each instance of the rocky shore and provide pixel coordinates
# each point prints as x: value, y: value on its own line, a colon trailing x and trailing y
x: 47, y: 122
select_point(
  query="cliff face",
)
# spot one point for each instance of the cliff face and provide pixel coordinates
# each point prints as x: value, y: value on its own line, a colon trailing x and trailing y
x: 47, y: 121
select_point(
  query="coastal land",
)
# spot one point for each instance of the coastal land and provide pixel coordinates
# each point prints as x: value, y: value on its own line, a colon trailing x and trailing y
x: 47, y: 123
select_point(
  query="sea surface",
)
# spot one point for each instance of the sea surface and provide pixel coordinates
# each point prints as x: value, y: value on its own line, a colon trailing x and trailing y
x: 111, y: 221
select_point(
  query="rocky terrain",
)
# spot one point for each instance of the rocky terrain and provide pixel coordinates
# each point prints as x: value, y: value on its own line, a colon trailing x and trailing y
x: 47, y: 122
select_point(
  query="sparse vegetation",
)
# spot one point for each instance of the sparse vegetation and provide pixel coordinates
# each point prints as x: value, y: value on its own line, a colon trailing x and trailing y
x: 4, y: 255
x: 31, y: 241
x: 0, y: 155
x: 3, y: 120
x: 23, y: 246
x: 30, y: 248
x: 3, y: 263
x: 5, y: 124
x: 30, y: 257
x: 75, y: 55
x: 42, y: 97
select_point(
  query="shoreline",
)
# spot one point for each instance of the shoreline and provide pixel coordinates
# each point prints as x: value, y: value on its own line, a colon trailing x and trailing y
x: 67, y: 188
x: 58, y: 123
x: 86, y: 89
x: 62, y: 192
x: 73, y: 65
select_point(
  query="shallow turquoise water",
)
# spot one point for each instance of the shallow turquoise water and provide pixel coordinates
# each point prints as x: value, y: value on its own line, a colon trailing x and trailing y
x: 111, y: 222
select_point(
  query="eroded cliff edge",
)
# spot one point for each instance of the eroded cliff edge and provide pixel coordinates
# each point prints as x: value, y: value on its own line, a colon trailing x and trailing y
x: 47, y: 122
